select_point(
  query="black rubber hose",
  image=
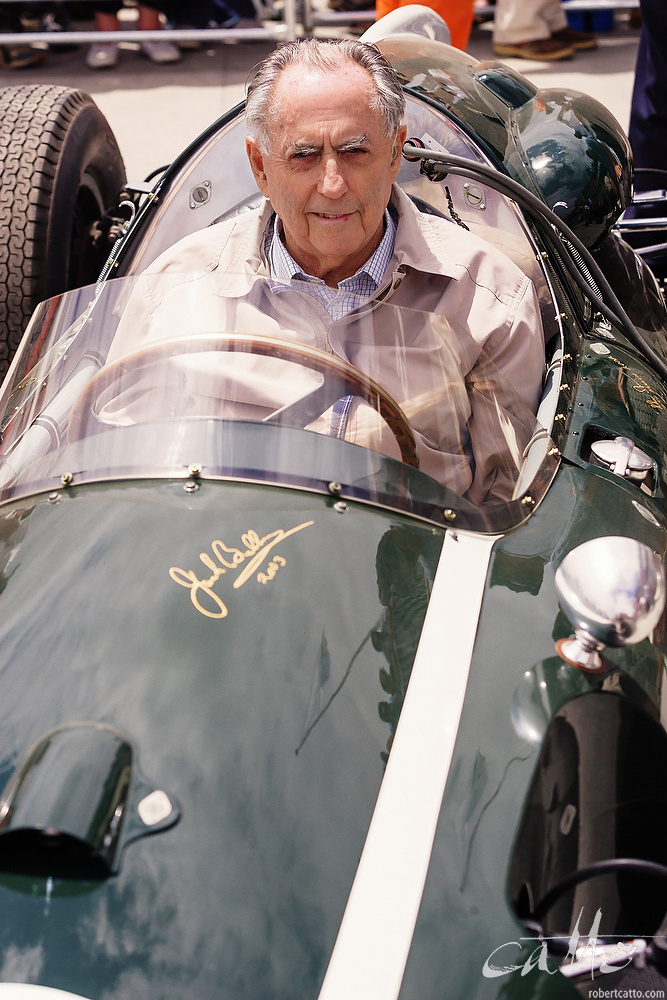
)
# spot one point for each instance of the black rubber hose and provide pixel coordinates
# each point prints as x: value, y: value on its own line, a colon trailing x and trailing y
x: 595, y: 870
x: 614, y: 312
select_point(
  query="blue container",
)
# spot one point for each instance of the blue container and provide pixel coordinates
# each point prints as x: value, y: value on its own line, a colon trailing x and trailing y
x: 589, y: 20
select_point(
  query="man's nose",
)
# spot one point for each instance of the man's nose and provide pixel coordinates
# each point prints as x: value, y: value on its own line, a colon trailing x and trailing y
x: 332, y: 182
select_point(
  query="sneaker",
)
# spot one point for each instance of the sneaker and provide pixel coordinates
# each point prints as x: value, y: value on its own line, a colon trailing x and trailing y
x: 19, y: 56
x: 161, y: 52
x: 102, y: 55
x: 542, y: 49
x: 577, y: 39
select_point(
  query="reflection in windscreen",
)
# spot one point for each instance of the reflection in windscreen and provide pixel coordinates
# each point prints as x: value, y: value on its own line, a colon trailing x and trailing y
x: 109, y: 381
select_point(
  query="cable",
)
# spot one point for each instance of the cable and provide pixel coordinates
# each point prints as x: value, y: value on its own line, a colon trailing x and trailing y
x: 614, y: 312
x: 598, y: 868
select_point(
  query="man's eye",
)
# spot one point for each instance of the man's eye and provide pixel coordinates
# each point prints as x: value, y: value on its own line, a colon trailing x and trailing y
x: 303, y: 154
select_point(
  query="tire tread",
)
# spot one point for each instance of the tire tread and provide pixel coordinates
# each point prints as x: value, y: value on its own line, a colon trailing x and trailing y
x: 34, y: 123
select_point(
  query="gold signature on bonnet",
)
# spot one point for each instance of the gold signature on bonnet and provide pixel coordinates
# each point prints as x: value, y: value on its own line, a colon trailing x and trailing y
x: 225, y: 559
x: 639, y: 384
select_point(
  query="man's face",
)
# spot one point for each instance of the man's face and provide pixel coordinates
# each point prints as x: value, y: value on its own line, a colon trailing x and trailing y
x: 329, y: 170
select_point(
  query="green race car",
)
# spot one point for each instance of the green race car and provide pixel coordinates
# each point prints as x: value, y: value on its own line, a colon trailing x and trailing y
x: 282, y: 717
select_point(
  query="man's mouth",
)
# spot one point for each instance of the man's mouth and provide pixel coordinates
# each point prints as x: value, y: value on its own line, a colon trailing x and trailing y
x: 330, y: 215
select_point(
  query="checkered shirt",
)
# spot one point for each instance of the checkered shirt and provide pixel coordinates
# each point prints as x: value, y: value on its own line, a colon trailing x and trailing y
x: 351, y: 292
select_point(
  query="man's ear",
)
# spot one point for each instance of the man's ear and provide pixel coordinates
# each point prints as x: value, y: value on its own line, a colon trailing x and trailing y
x: 401, y: 136
x: 256, y: 159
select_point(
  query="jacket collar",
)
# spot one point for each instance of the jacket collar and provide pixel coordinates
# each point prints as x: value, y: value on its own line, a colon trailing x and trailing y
x: 422, y: 243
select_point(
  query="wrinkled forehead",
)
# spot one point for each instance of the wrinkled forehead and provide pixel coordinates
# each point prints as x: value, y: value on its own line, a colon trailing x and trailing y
x: 310, y: 104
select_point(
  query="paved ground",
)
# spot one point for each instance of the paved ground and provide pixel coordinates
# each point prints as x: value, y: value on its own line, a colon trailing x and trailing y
x: 155, y: 111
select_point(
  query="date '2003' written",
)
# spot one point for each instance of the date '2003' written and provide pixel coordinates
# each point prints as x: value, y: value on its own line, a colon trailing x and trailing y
x: 245, y: 561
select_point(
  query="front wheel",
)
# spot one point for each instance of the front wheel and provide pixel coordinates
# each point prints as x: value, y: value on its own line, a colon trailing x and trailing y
x: 60, y: 171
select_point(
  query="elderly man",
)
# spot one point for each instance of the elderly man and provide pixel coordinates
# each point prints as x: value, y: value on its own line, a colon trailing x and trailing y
x: 324, y: 145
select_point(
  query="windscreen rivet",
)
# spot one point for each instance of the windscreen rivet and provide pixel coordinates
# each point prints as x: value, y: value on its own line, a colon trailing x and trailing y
x: 66, y: 478
x: 335, y: 488
x: 449, y: 514
x: 340, y: 506
x: 200, y: 194
x: 528, y: 501
x: 474, y: 196
x: 195, y: 470
x: 191, y: 486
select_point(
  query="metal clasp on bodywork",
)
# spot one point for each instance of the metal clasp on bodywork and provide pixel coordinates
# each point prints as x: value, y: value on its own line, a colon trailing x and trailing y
x: 622, y: 457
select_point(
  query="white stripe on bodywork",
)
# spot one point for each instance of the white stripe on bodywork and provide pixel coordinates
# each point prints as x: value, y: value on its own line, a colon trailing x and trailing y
x: 25, y: 991
x: 371, y: 950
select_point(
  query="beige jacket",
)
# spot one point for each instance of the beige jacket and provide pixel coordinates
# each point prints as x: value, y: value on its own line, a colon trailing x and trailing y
x: 453, y: 334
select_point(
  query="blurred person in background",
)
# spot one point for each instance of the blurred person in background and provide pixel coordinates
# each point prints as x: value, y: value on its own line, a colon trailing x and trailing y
x: 209, y: 14
x: 536, y: 29
x: 648, y: 114
x: 104, y: 55
x: 16, y: 56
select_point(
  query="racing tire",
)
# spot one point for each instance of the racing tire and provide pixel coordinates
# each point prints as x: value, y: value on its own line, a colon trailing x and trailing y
x: 60, y: 171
